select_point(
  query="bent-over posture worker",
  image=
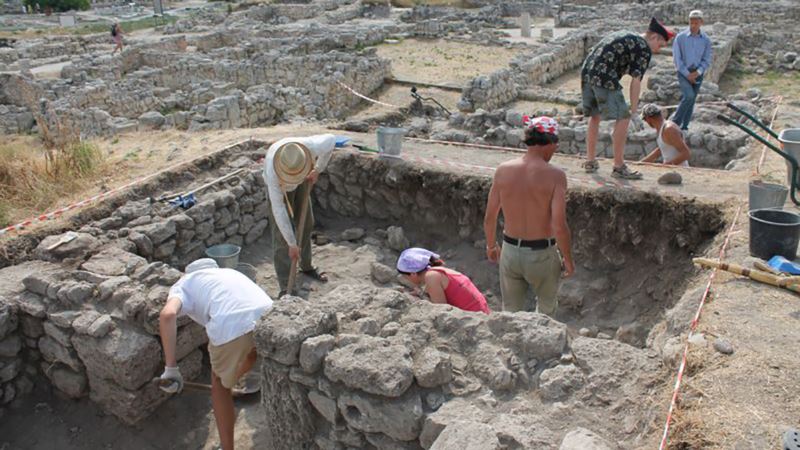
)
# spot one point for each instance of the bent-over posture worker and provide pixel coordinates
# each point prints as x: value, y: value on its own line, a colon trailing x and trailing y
x: 532, y: 195
x: 290, y: 172
x: 672, y: 147
x: 228, y: 305
x: 420, y: 266
x: 618, y: 54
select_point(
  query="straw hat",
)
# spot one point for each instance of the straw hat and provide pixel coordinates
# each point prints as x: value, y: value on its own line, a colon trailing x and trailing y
x: 293, y: 162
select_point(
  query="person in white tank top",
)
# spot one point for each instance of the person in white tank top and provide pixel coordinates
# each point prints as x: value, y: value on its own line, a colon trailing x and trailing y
x: 672, y: 147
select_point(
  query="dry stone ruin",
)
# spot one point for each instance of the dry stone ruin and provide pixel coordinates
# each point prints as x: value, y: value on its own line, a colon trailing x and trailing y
x: 362, y: 363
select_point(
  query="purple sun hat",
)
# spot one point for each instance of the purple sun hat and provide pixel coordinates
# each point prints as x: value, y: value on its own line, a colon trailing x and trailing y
x: 415, y: 259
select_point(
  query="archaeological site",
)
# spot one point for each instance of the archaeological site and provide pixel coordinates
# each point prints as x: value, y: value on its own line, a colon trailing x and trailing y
x: 127, y: 155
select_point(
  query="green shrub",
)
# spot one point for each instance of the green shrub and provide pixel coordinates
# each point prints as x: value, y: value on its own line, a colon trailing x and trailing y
x: 60, y: 5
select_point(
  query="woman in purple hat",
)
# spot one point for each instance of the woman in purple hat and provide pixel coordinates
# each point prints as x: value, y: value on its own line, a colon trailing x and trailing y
x: 420, y: 266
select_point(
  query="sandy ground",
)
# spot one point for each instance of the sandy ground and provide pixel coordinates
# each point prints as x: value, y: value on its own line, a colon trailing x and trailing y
x: 442, y: 61
x: 42, y: 421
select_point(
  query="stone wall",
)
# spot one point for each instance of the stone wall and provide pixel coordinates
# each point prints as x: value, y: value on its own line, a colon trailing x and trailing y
x: 676, y: 12
x: 88, y: 310
x: 536, y: 68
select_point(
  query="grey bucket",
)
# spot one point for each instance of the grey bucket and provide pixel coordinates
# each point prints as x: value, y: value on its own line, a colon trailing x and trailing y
x: 248, y: 270
x: 226, y: 255
x: 790, y: 138
x: 767, y: 195
x: 390, y: 141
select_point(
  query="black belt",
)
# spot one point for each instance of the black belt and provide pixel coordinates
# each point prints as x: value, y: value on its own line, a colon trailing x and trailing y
x: 536, y: 245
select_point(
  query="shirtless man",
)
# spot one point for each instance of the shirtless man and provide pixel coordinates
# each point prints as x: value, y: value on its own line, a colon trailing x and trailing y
x: 532, y: 195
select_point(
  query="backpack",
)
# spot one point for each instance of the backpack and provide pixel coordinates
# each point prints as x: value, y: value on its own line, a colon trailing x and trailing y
x: 113, y: 30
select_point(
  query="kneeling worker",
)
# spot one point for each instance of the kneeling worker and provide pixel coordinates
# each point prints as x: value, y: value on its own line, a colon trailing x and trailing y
x: 423, y: 267
x: 290, y: 172
x: 228, y: 305
x: 672, y: 147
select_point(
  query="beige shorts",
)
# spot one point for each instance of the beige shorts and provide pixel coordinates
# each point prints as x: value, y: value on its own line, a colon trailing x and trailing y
x: 227, y: 358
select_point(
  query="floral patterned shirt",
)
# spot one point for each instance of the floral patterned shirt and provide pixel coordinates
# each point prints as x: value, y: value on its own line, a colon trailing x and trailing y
x: 618, y: 54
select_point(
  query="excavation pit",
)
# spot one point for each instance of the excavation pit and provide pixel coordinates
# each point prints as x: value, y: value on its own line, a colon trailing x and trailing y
x: 357, y: 360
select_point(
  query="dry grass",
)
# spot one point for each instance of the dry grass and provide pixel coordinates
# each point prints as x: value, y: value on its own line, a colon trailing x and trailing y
x: 32, y: 182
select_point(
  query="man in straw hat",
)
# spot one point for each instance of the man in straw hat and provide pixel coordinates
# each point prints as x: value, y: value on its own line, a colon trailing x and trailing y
x: 290, y: 172
x: 228, y: 305
x: 618, y: 54
x: 537, y: 247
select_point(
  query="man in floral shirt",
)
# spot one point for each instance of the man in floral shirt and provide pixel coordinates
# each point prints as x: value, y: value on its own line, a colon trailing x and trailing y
x: 618, y: 54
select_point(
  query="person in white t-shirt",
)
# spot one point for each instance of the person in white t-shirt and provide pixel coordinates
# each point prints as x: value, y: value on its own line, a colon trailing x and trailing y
x: 291, y: 167
x: 228, y: 305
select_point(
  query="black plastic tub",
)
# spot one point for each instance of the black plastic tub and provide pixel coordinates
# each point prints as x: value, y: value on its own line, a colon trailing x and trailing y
x: 774, y: 232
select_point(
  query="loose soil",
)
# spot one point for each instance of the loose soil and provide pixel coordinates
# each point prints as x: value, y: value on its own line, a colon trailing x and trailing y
x: 442, y: 61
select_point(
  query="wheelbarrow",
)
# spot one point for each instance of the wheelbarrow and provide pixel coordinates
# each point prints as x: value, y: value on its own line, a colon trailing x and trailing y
x: 791, y: 161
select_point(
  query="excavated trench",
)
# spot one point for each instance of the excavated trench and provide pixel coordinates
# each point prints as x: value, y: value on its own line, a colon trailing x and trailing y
x: 383, y: 353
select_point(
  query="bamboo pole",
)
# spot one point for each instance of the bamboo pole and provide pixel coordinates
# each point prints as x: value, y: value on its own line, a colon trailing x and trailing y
x: 790, y: 283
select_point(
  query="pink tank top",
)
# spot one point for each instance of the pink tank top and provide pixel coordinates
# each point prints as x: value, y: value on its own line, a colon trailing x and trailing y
x: 462, y: 294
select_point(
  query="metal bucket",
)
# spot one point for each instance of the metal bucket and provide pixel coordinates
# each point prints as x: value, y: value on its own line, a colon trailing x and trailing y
x: 248, y: 270
x: 790, y: 140
x: 767, y: 195
x: 226, y: 255
x: 390, y: 141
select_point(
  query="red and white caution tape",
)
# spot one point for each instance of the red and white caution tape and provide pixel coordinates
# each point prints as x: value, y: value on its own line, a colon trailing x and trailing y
x: 364, y: 97
x: 57, y: 213
x: 692, y: 328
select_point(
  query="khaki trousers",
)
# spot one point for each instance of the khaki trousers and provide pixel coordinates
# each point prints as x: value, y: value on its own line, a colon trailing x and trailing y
x: 522, y: 270
x: 280, y: 249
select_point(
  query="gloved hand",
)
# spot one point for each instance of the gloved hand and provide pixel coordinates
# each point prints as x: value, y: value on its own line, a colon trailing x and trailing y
x: 174, y: 375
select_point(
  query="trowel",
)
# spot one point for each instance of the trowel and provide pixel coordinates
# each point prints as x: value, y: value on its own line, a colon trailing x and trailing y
x: 68, y: 237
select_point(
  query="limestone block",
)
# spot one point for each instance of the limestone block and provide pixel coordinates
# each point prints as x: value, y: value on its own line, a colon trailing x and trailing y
x: 534, y: 335
x: 133, y: 405
x: 314, y: 350
x: 432, y: 368
x: 158, y: 232
x: 396, y: 238
x: 8, y: 318
x: 114, y: 262
x: 464, y: 435
x: 78, y: 247
x: 126, y: 356
x: 560, y: 381
x: 399, y: 418
x: 71, y: 383
x: 52, y: 351
x: 151, y: 120
x: 583, y: 439
x: 84, y: 320
x: 9, y: 368
x: 382, y: 273
x: 189, y: 338
x: 108, y: 287
x: 292, y: 419
x: 61, y: 335
x: 280, y: 334
x: 10, y: 346
x: 101, y: 327
x: 31, y: 326
x: 144, y: 246
x: 325, y: 406
x: 164, y: 250
x: 63, y: 319
x: 372, y: 365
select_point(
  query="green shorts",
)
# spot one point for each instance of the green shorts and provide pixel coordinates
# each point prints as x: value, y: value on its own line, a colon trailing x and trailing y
x: 608, y: 104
